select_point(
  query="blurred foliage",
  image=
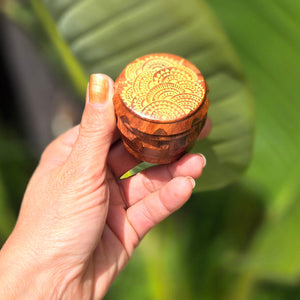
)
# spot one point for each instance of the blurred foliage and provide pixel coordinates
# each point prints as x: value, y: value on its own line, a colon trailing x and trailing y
x: 238, y: 242
x: 16, y: 166
x: 105, y: 37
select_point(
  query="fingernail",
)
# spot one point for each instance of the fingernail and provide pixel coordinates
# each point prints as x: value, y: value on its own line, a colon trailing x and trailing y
x: 98, y: 89
x: 192, y: 180
x: 203, y: 158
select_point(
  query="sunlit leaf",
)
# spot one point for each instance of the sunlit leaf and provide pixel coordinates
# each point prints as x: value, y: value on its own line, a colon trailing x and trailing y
x: 106, y: 35
x: 266, y: 37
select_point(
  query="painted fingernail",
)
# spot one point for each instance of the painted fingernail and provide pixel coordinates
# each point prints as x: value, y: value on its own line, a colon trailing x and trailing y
x: 203, y: 158
x: 192, y: 181
x: 98, y: 89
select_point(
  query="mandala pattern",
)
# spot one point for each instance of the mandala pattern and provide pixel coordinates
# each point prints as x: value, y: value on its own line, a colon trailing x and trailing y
x: 161, y: 88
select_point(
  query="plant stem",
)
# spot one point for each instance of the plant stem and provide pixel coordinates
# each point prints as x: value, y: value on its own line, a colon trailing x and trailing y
x: 77, y: 75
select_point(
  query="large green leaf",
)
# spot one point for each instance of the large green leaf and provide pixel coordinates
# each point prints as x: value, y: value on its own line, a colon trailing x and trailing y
x: 106, y: 35
x: 266, y: 36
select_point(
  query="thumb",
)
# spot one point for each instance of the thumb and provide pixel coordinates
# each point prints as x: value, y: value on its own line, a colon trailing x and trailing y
x: 97, y: 126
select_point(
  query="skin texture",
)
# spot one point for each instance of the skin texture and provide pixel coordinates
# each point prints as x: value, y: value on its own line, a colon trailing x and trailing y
x: 79, y: 223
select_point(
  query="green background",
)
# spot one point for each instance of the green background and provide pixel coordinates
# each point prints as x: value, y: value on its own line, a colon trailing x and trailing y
x: 232, y: 240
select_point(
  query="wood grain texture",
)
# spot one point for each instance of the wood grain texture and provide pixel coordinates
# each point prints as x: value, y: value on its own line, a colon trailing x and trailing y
x: 161, y: 105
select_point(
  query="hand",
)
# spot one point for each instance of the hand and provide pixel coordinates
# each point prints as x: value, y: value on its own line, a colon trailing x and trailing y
x: 79, y: 223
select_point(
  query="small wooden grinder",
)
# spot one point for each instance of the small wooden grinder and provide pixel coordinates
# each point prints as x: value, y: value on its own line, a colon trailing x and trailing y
x: 161, y: 105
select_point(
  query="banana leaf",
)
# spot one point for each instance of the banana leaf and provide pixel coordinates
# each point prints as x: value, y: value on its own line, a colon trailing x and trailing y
x: 101, y: 36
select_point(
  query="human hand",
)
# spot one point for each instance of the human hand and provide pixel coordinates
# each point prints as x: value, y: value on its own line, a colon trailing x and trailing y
x: 79, y: 223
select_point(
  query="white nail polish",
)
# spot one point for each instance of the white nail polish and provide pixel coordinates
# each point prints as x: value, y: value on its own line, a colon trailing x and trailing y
x: 204, y: 159
x: 192, y: 180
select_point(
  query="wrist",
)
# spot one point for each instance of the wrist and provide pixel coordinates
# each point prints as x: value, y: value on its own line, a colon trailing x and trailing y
x: 24, y: 276
x: 21, y: 277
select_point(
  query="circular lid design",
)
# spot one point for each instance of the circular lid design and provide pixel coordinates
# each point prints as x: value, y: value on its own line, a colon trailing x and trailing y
x: 162, y: 87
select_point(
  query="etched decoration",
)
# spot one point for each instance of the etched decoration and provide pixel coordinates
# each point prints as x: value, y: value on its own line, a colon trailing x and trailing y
x: 162, y: 87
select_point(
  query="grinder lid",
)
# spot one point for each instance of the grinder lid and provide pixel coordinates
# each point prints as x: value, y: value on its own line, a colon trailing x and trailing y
x: 161, y: 88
